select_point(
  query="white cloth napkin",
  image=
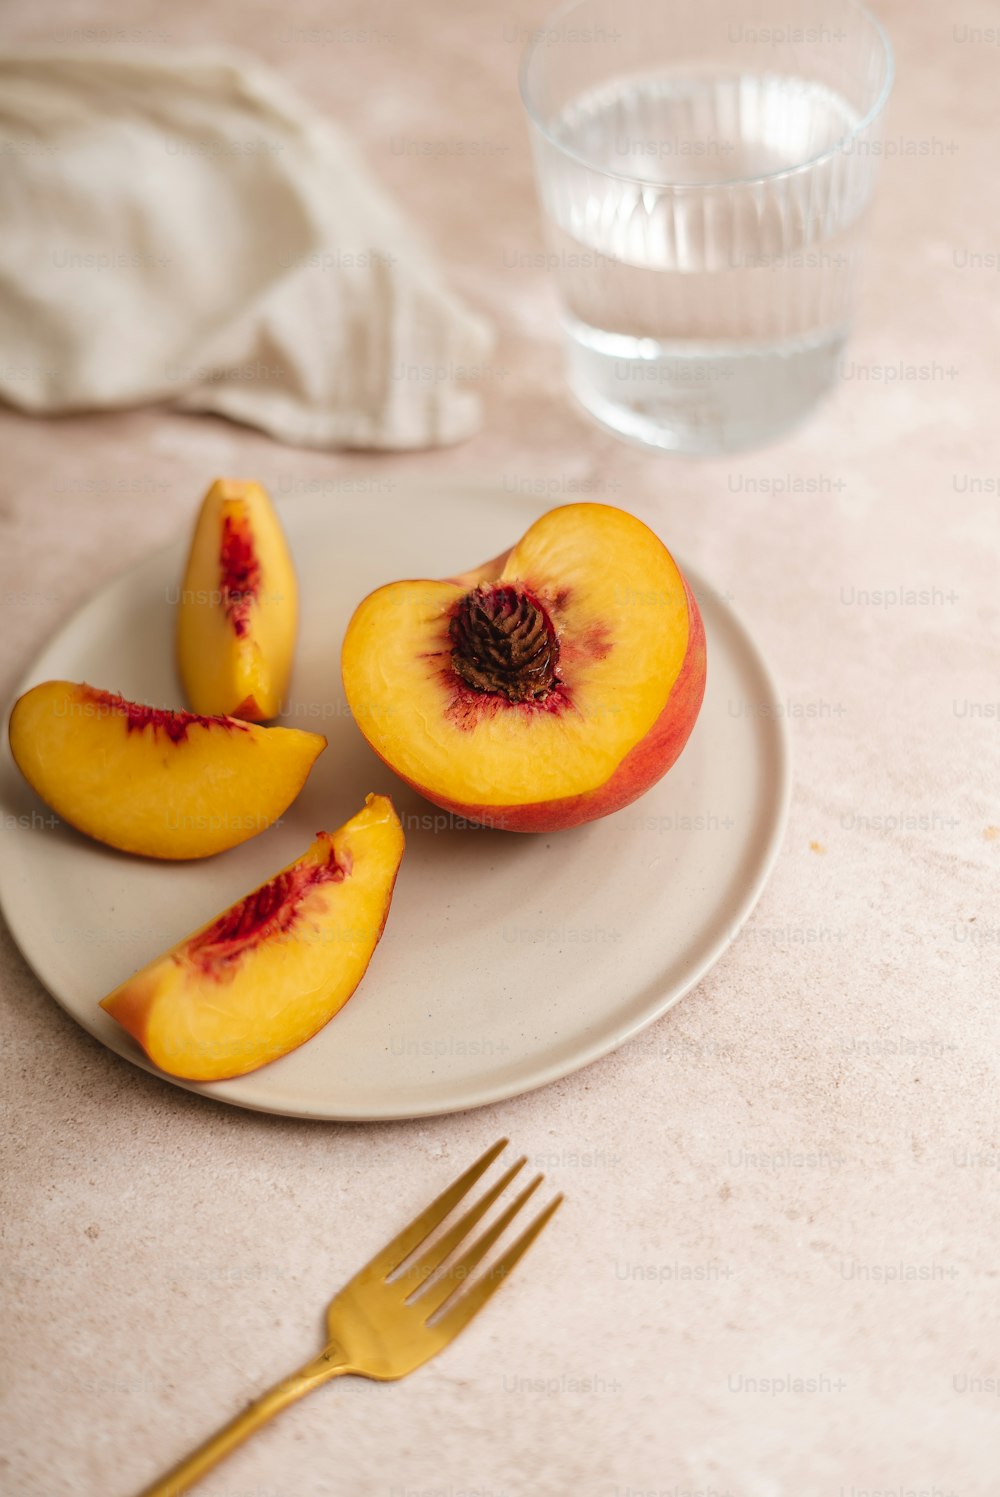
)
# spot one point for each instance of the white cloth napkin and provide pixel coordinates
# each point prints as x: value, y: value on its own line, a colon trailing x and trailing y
x: 183, y: 227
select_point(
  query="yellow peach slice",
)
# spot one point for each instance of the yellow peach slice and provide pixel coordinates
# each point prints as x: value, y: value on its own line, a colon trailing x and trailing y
x: 270, y: 971
x: 163, y: 784
x: 548, y: 687
x: 238, y: 607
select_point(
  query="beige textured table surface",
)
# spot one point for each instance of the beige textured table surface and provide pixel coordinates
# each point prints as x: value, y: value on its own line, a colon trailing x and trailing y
x: 795, y: 1174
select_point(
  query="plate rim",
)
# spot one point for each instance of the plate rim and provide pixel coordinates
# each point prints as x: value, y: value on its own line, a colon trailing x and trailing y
x: 583, y: 1055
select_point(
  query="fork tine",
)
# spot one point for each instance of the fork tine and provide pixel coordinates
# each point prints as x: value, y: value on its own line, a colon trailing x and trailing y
x: 401, y: 1246
x: 412, y: 1278
x: 469, y: 1304
x: 458, y: 1273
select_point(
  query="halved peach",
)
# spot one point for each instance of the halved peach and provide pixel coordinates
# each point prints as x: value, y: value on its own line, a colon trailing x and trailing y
x: 270, y: 971
x: 544, y: 689
x: 164, y: 784
x: 238, y: 613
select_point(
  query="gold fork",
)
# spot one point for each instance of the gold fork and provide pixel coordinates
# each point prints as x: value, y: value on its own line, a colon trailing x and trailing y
x: 379, y: 1325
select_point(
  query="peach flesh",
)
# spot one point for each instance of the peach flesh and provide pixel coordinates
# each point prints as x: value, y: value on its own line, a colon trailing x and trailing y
x: 238, y: 615
x: 147, y: 780
x: 271, y: 910
x: 138, y: 717
x: 269, y: 972
x: 638, y: 772
x: 240, y: 573
x: 551, y: 733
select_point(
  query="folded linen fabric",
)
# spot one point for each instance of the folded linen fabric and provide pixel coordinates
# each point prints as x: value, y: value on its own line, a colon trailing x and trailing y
x: 182, y: 227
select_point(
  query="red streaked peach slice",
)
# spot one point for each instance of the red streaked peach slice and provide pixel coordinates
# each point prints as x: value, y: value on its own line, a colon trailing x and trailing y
x: 273, y: 969
x: 238, y: 609
x: 551, y: 686
x: 163, y: 784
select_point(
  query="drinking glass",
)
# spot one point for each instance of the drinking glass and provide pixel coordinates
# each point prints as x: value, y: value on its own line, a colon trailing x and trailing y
x: 704, y: 180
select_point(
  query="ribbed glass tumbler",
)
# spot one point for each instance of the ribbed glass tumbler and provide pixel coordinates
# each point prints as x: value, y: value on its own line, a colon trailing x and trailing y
x: 704, y: 180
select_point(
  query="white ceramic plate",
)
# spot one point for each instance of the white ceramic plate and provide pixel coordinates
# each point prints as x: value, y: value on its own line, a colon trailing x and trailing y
x: 508, y: 960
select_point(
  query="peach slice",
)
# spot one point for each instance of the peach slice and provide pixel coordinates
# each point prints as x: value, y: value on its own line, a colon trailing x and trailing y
x: 164, y: 784
x: 238, y: 613
x: 549, y: 687
x: 270, y: 971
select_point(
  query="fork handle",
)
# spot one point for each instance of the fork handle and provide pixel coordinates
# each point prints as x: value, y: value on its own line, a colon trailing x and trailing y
x: 331, y: 1363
